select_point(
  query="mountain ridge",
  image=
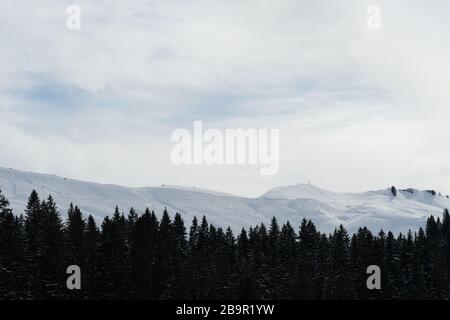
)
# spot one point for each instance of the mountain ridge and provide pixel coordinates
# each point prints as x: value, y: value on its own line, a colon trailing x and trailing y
x: 376, y: 209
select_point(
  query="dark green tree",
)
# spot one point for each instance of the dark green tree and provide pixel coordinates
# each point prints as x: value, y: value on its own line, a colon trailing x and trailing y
x: 113, y: 258
x: 340, y: 283
x: 13, y: 273
x: 143, y: 255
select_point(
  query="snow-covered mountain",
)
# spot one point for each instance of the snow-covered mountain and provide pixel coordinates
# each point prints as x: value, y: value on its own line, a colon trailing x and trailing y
x: 374, y: 209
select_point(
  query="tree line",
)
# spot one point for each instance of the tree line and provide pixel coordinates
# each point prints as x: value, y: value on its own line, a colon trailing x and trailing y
x: 145, y: 257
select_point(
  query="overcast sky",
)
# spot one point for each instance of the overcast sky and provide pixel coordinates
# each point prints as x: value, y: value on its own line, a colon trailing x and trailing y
x: 357, y: 109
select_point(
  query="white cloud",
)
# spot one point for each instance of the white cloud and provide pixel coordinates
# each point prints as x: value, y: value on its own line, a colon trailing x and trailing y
x: 357, y: 108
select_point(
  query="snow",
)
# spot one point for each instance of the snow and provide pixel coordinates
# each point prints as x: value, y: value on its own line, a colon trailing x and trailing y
x: 374, y: 209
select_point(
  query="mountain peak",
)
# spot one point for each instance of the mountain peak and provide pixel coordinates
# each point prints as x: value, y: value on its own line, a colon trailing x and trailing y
x: 298, y: 191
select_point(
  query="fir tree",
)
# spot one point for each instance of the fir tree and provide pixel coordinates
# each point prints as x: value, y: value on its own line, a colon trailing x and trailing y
x: 362, y: 256
x: 246, y: 279
x: 288, y: 258
x: 113, y: 266
x: 12, y: 254
x: 51, y: 265
x: 340, y: 283
x: 307, y: 264
x: 177, y: 282
x: 90, y: 272
x: 274, y: 258
x: 74, y: 243
x: 143, y: 256
x: 164, y: 251
x: 75, y: 236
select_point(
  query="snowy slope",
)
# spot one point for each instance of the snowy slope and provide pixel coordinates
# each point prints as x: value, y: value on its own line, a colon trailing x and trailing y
x: 374, y: 209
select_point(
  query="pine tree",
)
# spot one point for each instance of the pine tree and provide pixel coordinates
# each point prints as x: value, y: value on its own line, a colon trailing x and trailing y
x: 164, y: 251
x: 362, y: 255
x: 53, y: 268
x: 437, y: 269
x: 305, y: 278
x: 226, y: 260
x: 75, y: 236
x: 143, y: 256
x: 288, y: 258
x: 177, y: 282
x: 113, y: 264
x: 409, y: 283
x: 44, y: 248
x: 420, y: 260
x: 246, y: 282
x: 201, y: 277
x: 324, y: 270
x: 193, y: 258
x: 12, y: 254
x: 260, y: 261
x: 340, y: 284
x: 446, y: 244
x: 130, y: 225
x: 274, y: 258
x: 90, y: 272
x: 392, y: 271
x: 74, y: 243
x: 34, y: 226
x: 379, y: 249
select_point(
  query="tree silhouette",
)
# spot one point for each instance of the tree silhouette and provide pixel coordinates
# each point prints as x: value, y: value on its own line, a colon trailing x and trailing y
x: 141, y: 257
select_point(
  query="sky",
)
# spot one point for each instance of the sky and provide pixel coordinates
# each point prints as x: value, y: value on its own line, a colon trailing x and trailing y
x: 357, y: 108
